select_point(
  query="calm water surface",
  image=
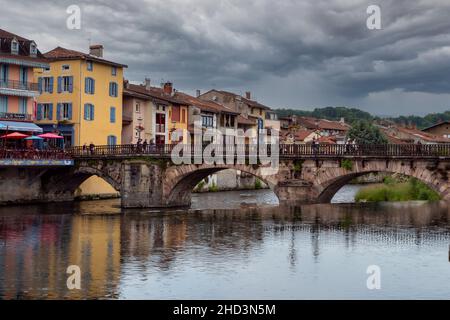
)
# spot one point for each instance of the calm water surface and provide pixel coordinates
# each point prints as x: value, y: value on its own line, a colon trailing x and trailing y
x: 233, y: 245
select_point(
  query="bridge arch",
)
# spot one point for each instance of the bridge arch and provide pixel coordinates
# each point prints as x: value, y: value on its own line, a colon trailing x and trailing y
x: 179, y: 181
x: 326, y: 183
x: 62, y: 183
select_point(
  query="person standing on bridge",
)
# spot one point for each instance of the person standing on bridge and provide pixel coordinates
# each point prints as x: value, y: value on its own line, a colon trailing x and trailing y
x: 145, y: 146
x: 92, y: 148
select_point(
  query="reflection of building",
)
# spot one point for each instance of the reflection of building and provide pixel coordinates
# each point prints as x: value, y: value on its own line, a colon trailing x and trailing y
x: 157, y: 239
x: 36, y: 251
x: 18, y: 58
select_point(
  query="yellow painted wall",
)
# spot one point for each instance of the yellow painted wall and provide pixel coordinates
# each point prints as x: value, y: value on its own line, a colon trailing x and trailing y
x: 98, y: 130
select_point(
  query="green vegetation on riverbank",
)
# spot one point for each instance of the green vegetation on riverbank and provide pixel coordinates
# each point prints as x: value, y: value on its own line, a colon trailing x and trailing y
x: 392, y: 190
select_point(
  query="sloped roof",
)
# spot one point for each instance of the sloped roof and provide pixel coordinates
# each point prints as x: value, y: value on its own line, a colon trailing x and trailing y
x: 205, y: 105
x: 314, y: 123
x: 24, y: 47
x: 251, y: 103
x: 153, y: 92
x: 60, y: 53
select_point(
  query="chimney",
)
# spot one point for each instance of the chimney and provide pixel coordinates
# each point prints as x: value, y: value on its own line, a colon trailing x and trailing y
x: 147, y: 84
x: 96, y: 50
x: 198, y: 93
x: 168, y: 88
x: 342, y: 120
x: 125, y: 84
x: 248, y: 95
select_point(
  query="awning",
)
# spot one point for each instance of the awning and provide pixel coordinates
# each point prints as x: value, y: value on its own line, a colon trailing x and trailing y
x: 19, y: 126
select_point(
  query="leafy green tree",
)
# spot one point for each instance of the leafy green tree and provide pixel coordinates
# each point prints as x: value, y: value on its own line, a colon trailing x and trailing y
x: 364, y: 132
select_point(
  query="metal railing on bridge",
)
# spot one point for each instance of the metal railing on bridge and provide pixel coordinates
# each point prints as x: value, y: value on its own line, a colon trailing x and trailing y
x: 284, y: 150
x: 28, y: 154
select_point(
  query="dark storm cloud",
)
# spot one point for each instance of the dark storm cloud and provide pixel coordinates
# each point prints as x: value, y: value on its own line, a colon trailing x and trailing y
x: 287, y: 47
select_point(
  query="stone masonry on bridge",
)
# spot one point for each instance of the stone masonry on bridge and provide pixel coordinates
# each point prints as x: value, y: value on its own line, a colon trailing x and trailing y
x: 145, y: 181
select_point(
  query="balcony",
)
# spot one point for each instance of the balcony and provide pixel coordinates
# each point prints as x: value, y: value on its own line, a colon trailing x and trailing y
x: 15, y: 116
x: 19, y: 88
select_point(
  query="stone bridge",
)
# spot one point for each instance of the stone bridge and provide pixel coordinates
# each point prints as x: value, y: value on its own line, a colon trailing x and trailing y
x: 150, y: 180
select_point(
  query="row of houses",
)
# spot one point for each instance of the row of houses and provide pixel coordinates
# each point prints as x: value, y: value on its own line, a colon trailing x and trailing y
x: 85, y: 98
x: 302, y: 130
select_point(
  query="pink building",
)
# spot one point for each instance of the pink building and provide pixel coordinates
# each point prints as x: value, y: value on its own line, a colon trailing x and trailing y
x: 18, y: 58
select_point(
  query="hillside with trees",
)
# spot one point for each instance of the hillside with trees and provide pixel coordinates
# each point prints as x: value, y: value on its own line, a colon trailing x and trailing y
x: 353, y: 114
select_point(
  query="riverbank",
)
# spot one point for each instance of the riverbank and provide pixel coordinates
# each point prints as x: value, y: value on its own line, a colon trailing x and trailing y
x: 393, y: 190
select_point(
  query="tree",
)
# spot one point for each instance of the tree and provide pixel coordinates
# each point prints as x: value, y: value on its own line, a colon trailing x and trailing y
x: 364, y: 132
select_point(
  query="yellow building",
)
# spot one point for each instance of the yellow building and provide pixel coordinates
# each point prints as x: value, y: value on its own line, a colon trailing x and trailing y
x: 81, y: 98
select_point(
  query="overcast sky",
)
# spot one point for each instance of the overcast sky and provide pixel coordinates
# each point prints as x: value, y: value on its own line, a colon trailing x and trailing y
x: 288, y: 53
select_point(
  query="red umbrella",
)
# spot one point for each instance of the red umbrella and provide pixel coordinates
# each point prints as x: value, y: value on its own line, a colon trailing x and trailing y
x: 50, y: 136
x: 14, y: 135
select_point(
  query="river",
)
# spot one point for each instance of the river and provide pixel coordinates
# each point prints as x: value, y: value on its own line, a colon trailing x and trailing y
x: 229, y: 245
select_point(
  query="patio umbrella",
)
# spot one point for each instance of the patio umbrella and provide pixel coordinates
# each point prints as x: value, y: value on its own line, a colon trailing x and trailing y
x: 14, y: 135
x: 34, y: 138
x: 50, y: 136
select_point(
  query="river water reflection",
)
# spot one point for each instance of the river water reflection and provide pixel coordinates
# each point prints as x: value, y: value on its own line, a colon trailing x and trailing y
x: 250, y: 248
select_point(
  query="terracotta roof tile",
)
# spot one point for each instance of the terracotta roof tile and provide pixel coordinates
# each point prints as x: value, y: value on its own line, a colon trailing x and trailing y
x: 60, y: 53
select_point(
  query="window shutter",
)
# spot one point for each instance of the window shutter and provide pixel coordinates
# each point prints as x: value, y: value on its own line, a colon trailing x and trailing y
x: 70, y: 111
x: 50, y: 112
x: 71, y: 84
x: 59, y: 84
x: 40, y: 84
x: 51, y: 85
x: 39, y: 112
x: 58, y: 111
x: 93, y: 86
x: 110, y: 89
x: 86, y: 85
x: 86, y: 114
x: 113, y: 115
x: 92, y: 112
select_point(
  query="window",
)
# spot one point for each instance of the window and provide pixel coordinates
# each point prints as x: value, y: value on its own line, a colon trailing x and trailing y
x: 65, y: 67
x: 161, y: 108
x: 175, y: 114
x: 4, y: 71
x: 23, y: 75
x: 45, y: 111
x: 3, y: 104
x: 112, y: 115
x: 183, y: 116
x: 113, y: 89
x: 114, y: 71
x: 46, y: 84
x: 89, y: 86
x: 138, y: 107
x: 207, y: 121
x: 160, y: 123
x: 14, y: 46
x: 64, y: 111
x: 89, y: 65
x: 33, y: 49
x: 23, y: 105
x: 65, y: 84
x: 112, y: 140
x: 88, y: 112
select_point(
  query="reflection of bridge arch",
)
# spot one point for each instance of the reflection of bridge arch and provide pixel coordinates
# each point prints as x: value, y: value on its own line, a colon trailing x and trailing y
x: 327, y: 181
x: 179, y: 181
